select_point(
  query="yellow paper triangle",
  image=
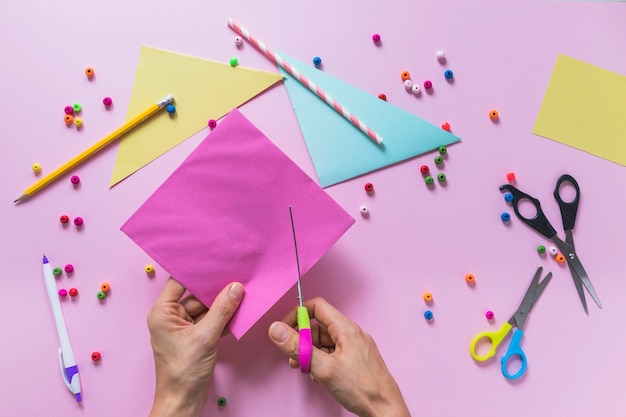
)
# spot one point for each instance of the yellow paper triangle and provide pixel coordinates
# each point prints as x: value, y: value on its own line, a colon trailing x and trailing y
x: 203, y: 90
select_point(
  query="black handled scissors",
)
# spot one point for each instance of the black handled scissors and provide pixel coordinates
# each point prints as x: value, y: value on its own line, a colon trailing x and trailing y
x: 541, y: 224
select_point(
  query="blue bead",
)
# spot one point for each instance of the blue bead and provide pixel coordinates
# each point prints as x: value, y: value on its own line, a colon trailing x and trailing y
x: 508, y: 197
x: 448, y: 74
x: 170, y: 108
x: 505, y: 217
x: 428, y: 315
x: 317, y: 61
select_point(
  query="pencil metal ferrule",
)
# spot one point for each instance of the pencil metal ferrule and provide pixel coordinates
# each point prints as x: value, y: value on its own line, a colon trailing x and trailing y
x: 165, y: 101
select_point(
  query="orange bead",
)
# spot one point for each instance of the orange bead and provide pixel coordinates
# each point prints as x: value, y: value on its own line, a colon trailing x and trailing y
x: 105, y: 287
x: 493, y: 115
x: 405, y: 75
x: 89, y: 72
x: 428, y: 297
x: 470, y: 278
x: 68, y: 118
x: 560, y: 258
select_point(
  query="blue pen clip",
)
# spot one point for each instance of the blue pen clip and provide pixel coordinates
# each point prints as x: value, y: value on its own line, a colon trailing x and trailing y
x: 70, y: 377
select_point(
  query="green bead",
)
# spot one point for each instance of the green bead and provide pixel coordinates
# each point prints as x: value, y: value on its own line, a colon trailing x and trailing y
x: 77, y: 108
x: 221, y: 401
x: 234, y: 62
x: 441, y: 177
x: 541, y: 249
x: 428, y: 179
x: 101, y: 295
x: 442, y: 150
x: 438, y: 160
x: 57, y: 271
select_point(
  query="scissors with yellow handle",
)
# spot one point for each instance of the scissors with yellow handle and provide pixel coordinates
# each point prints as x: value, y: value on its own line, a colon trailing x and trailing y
x: 518, y: 319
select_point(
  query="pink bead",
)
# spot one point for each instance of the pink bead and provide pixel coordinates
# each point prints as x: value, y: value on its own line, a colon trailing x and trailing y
x: 212, y: 123
x: 75, y: 179
x: 69, y: 110
x: 107, y: 101
x: 62, y: 292
x: 428, y: 84
x: 489, y: 314
x: 376, y: 37
x: 78, y: 221
x: 69, y: 268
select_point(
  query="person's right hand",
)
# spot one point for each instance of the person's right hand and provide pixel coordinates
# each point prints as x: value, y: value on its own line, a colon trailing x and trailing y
x: 345, y: 360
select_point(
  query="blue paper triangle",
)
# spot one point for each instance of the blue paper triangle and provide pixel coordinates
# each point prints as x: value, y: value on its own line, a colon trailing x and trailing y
x: 338, y: 149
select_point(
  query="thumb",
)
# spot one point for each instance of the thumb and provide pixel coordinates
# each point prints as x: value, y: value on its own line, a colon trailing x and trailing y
x: 222, y: 309
x: 285, y: 338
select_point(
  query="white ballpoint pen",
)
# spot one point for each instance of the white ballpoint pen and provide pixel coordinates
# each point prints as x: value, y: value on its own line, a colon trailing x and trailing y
x: 67, y: 361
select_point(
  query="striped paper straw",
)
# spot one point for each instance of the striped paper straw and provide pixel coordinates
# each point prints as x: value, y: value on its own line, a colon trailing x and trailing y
x: 278, y: 60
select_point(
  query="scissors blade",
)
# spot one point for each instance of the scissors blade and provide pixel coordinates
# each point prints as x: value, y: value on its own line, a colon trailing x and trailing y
x: 569, y: 239
x: 530, y: 298
x: 577, y: 267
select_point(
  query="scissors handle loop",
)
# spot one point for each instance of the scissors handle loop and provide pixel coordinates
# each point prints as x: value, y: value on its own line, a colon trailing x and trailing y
x: 495, y: 338
x: 568, y: 208
x: 540, y: 222
x: 305, y: 345
x: 515, y: 350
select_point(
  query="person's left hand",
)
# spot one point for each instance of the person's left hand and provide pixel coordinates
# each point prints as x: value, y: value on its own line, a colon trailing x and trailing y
x: 184, y: 336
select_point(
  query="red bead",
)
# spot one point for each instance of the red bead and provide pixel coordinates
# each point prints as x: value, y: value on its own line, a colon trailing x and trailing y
x: 424, y: 170
x: 382, y: 97
x: 510, y: 176
x: 73, y: 292
x: 446, y: 126
x: 64, y: 219
x: 369, y: 187
x: 96, y: 356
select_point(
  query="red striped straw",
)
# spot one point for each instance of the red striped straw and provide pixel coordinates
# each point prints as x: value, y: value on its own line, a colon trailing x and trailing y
x: 278, y: 60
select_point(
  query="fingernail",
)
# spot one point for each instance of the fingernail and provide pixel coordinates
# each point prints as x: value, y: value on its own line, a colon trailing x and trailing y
x: 236, y: 292
x: 279, y: 332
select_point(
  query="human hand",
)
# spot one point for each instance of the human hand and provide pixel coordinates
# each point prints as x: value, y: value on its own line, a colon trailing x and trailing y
x: 345, y: 360
x: 184, y: 336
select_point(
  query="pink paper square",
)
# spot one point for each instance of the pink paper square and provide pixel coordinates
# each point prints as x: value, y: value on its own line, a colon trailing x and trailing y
x: 223, y: 216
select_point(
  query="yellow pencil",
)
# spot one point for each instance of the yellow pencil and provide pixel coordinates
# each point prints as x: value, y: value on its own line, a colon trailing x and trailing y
x: 78, y: 159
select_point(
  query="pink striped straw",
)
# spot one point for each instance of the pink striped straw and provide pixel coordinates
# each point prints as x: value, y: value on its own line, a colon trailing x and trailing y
x: 278, y: 60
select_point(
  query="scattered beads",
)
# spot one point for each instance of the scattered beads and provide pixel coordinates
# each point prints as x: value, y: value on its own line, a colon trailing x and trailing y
x: 170, y: 108
x: 64, y: 219
x: 505, y: 217
x: 382, y: 96
x: 149, y: 269
x: 428, y: 297
x: 68, y: 110
x: 89, y: 72
x: 424, y: 169
x: 405, y: 75
x: 212, y: 123
x: 105, y: 287
x: 317, y: 61
x: 376, y: 37
x: 408, y: 84
x: 68, y: 119
x: 493, y: 115
x: 234, y: 62
x: 69, y: 268
x: 238, y: 41
x: 77, y: 108
x: 75, y: 179
x: 62, y: 293
x: 446, y: 126
x: 78, y: 221
x: 364, y: 210
x: 96, y: 356
x: 221, y: 402
x: 448, y: 74
x: 429, y: 180
x: 508, y: 197
x: 101, y: 295
x: 438, y: 160
x: 36, y: 168
x: 428, y: 84
x: 441, y: 177
x: 470, y: 278
x: 442, y: 150
x: 416, y: 89
x: 541, y: 249
x: 73, y: 292
x: 441, y: 55
x: 107, y: 101
x: 552, y: 250
x: 489, y: 314
x: 78, y: 122
x: 510, y: 176
x: 369, y: 187
x: 57, y: 271
x: 428, y: 315
x: 560, y: 258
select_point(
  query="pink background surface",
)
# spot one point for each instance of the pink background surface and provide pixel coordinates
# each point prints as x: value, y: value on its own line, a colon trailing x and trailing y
x: 415, y: 240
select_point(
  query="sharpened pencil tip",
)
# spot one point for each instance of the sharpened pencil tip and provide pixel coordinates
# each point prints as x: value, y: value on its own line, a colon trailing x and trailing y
x: 20, y: 198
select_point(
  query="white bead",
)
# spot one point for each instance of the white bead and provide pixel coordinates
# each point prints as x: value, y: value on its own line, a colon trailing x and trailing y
x: 416, y: 89
x: 238, y: 41
x: 364, y: 210
x: 408, y: 84
x: 440, y: 54
x: 552, y: 250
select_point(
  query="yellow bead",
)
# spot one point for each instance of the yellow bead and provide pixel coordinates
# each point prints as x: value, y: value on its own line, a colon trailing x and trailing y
x: 149, y: 269
x: 78, y: 122
x: 36, y: 168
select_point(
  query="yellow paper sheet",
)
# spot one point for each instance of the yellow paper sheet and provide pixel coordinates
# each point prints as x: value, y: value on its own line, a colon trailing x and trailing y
x: 203, y: 90
x: 585, y: 107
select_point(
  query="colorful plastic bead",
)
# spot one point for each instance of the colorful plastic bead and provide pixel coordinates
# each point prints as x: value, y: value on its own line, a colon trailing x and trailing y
x: 428, y: 297
x: 78, y: 122
x: 441, y: 177
x: 510, y: 176
x: 57, y: 271
x: 541, y: 249
x: 68, y: 110
x: 69, y: 268
x: 75, y: 179
x: 424, y: 169
x: 69, y: 119
x: 96, y: 356
x: 238, y: 41
x: 64, y: 219
x: 508, y: 197
x: 429, y: 180
x: 493, y: 115
x: 212, y: 123
x: 376, y: 37
x: 408, y: 84
x: 73, y: 292
x: 105, y: 287
x: 428, y: 84
x: 101, y: 295
x: 446, y: 126
x: 441, y: 55
x: 89, y: 72
x: 489, y: 315
x: 234, y: 62
x: 77, y: 108
x: 470, y: 278
x: 317, y: 61
x: 428, y: 315
x: 442, y: 150
x: 78, y: 221
x: 170, y: 108
x: 369, y: 187
x: 382, y: 96
x: 364, y: 210
x: 405, y: 75
x: 36, y: 168
x: 505, y: 217
x: 552, y: 250
x: 221, y: 402
x: 438, y: 160
x: 448, y: 74
x: 560, y: 258
x: 149, y: 269
x: 107, y: 101
x: 416, y: 89
x: 62, y: 293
